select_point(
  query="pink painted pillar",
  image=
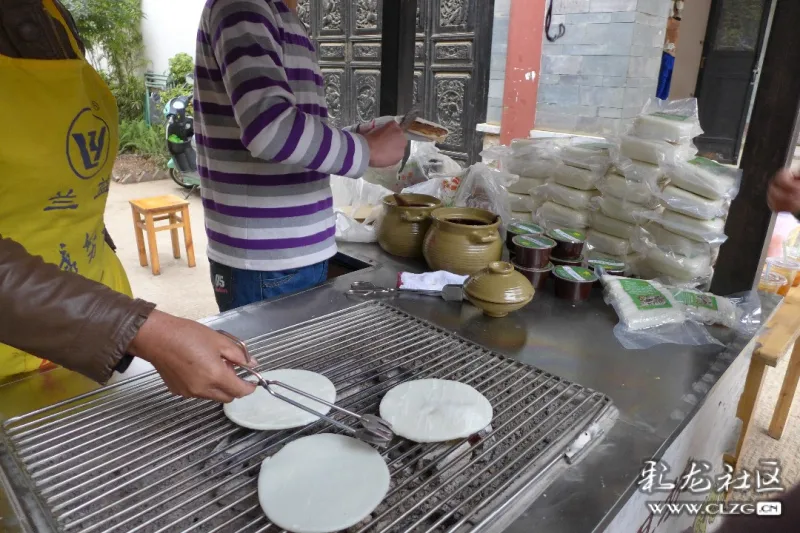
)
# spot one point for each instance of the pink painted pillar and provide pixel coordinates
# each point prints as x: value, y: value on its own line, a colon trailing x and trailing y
x: 523, y: 65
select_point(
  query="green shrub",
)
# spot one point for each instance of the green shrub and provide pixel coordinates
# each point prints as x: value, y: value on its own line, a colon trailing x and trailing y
x: 180, y: 66
x: 130, y: 94
x: 136, y: 137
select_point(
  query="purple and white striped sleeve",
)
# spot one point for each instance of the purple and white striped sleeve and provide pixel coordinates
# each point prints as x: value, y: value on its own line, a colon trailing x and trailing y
x: 251, y: 49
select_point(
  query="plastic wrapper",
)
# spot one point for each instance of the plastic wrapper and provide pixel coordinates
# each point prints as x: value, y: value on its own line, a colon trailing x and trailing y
x: 628, y: 191
x: 349, y: 229
x: 424, y: 161
x: 520, y: 202
x: 551, y: 214
x: 740, y: 312
x: 566, y: 196
x: 442, y: 187
x: 612, y: 226
x: 607, y: 244
x: 693, y: 205
x: 524, y: 185
x: 657, y: 235
x: 686, y: 269
x: 704, y: 177
x: 626, y: 211
x: 529, y: 158
x: 653, y: 152
x: 650, y: 315
x: 640, y: 172
x: 577, y: 178
x: 522, y: 216
x: 674, y: 121
x: 485, y: 188
x: 349, y: 192
x: 709, y: 231
x: 594, y: 156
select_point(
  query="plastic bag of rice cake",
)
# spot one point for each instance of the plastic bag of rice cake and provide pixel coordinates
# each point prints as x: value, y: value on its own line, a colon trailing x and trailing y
x: 740, y: 312
x: 566, y: 196
x: 673, y: 121
x: 704, y: 177
x: 642, y: 304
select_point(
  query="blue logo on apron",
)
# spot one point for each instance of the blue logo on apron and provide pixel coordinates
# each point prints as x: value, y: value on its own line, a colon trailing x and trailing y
x: 87, y: 144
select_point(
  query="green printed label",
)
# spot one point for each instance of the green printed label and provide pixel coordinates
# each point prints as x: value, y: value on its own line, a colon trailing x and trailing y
x: 575, y: 273
x: 644, y: 295
x: 670, y: 116
x: 521, y: 228
x: 530, y: 241
x: 697, y: 299
x: 705, y: 163
x: 567, y: 235
x: 607, y: 264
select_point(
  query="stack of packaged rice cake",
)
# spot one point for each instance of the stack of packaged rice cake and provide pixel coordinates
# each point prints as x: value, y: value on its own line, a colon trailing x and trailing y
x: 534, y: 161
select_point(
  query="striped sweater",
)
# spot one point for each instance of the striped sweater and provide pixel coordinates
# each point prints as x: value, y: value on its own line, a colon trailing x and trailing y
x: 264, y: 149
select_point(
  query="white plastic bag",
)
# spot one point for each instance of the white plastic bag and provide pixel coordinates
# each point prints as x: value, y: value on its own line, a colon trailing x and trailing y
x: 566, y: 196
x: 674, y: 121
x: 439, y: 186
x: 693, y: 205
x: 356, y: 192
x: 424, y: 161
x: 551, y: 214
x: 705, y: 177
x: 485, y: 188
x: 350, y: 230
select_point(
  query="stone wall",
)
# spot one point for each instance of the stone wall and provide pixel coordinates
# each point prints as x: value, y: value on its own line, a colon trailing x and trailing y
x: 604, y: 68
x: 600, y: 73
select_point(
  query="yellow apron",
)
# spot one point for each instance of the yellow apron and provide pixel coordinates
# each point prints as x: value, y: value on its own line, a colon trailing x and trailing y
x: 57, y: 148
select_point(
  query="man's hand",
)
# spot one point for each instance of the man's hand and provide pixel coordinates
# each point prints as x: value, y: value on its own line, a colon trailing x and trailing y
x: 387, y: 145
x: 784, y: 192
x: 193, y: 360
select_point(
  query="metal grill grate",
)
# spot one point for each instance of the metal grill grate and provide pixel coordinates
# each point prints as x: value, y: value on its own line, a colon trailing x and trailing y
x: 132, y: 457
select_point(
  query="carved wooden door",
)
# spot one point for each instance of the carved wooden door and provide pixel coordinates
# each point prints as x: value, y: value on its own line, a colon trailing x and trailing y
x: 452, y: 63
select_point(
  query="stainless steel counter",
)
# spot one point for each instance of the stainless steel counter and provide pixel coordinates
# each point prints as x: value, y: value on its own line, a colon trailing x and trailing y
x: 650, y: 388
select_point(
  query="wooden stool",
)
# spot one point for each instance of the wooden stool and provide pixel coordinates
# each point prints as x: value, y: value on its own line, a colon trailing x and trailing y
x: 148, y: 211
x: 781, y: 336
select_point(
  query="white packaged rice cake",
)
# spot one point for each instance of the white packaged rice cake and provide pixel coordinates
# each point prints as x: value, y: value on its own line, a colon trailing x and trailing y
x: 642, y: 304
x: 663, y: 126
x: 566, y: 196
x: 612, y: 226
x: 607, y: 244
x: 677, y: 266
x: 522, y: 216
x: 710, y: 231
x: 551, y: 213
x: 691, y: 204
x: 677, y: 244
x: 577, y: 178
x: 639, y: 171
x: 520, y: 202
x: 630, y: 191
x: 626, y: 211
x: 525, y: 185
x: 588, y: 155
x: 653, y: 152
x: 707, y: 308
x: 538, y: 169
x: 705, y: 177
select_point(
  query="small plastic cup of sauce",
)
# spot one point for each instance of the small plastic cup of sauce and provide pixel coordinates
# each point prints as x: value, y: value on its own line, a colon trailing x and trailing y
x: 785, y: 267
x: 574, y: 283
x: 772, y: 282
x: 569, y: 243
x: 532, y: 251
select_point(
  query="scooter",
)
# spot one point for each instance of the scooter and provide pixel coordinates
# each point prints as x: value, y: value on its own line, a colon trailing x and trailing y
x: 180, y: 143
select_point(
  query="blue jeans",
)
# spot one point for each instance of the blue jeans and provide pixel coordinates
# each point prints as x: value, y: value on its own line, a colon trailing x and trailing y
x: 234, y: 287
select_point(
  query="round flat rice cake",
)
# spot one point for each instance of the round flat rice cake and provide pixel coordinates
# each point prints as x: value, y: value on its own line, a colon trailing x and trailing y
x: 435, y: 410
x: 322, y: 483
x: 263, y: 411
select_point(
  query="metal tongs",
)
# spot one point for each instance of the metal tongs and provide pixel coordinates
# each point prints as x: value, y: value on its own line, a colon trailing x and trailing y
x: 374, y: 429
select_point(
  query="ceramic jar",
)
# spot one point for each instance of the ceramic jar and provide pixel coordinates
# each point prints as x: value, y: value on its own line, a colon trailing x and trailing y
x: 403, y: 228
x: 462, y: 240
x: 498, y: 289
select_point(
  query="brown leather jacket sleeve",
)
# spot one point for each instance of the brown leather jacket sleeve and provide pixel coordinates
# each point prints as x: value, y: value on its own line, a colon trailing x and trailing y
x: 63, y: 317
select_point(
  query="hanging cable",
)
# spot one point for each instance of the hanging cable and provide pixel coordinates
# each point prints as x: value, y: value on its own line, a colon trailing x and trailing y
x: 548, y: 21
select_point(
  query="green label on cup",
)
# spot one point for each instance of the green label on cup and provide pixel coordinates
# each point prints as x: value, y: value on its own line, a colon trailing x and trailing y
x: 671, y: 116
x: 533, y: 241
x: 644, y: 295
x: 696, y: 299
x: 575, y: 273
x: 569, y: 235
x: 522, y: 228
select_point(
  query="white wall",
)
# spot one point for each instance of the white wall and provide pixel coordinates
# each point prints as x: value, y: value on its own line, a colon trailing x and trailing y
x: 692, y: 34
x: 169, y: 27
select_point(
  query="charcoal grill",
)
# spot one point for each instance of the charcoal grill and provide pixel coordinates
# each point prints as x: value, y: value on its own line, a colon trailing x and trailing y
x: 132, y: 457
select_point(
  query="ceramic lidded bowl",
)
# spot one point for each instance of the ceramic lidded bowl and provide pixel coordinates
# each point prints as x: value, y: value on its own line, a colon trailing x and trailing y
x: 498, y: 289
x: 462, y: 240
x: 403, y: 228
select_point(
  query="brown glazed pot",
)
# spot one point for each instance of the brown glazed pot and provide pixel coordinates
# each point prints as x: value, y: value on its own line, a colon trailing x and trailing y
x: 498, y: 289
x: 462, y: 240
x: 403, y: 228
